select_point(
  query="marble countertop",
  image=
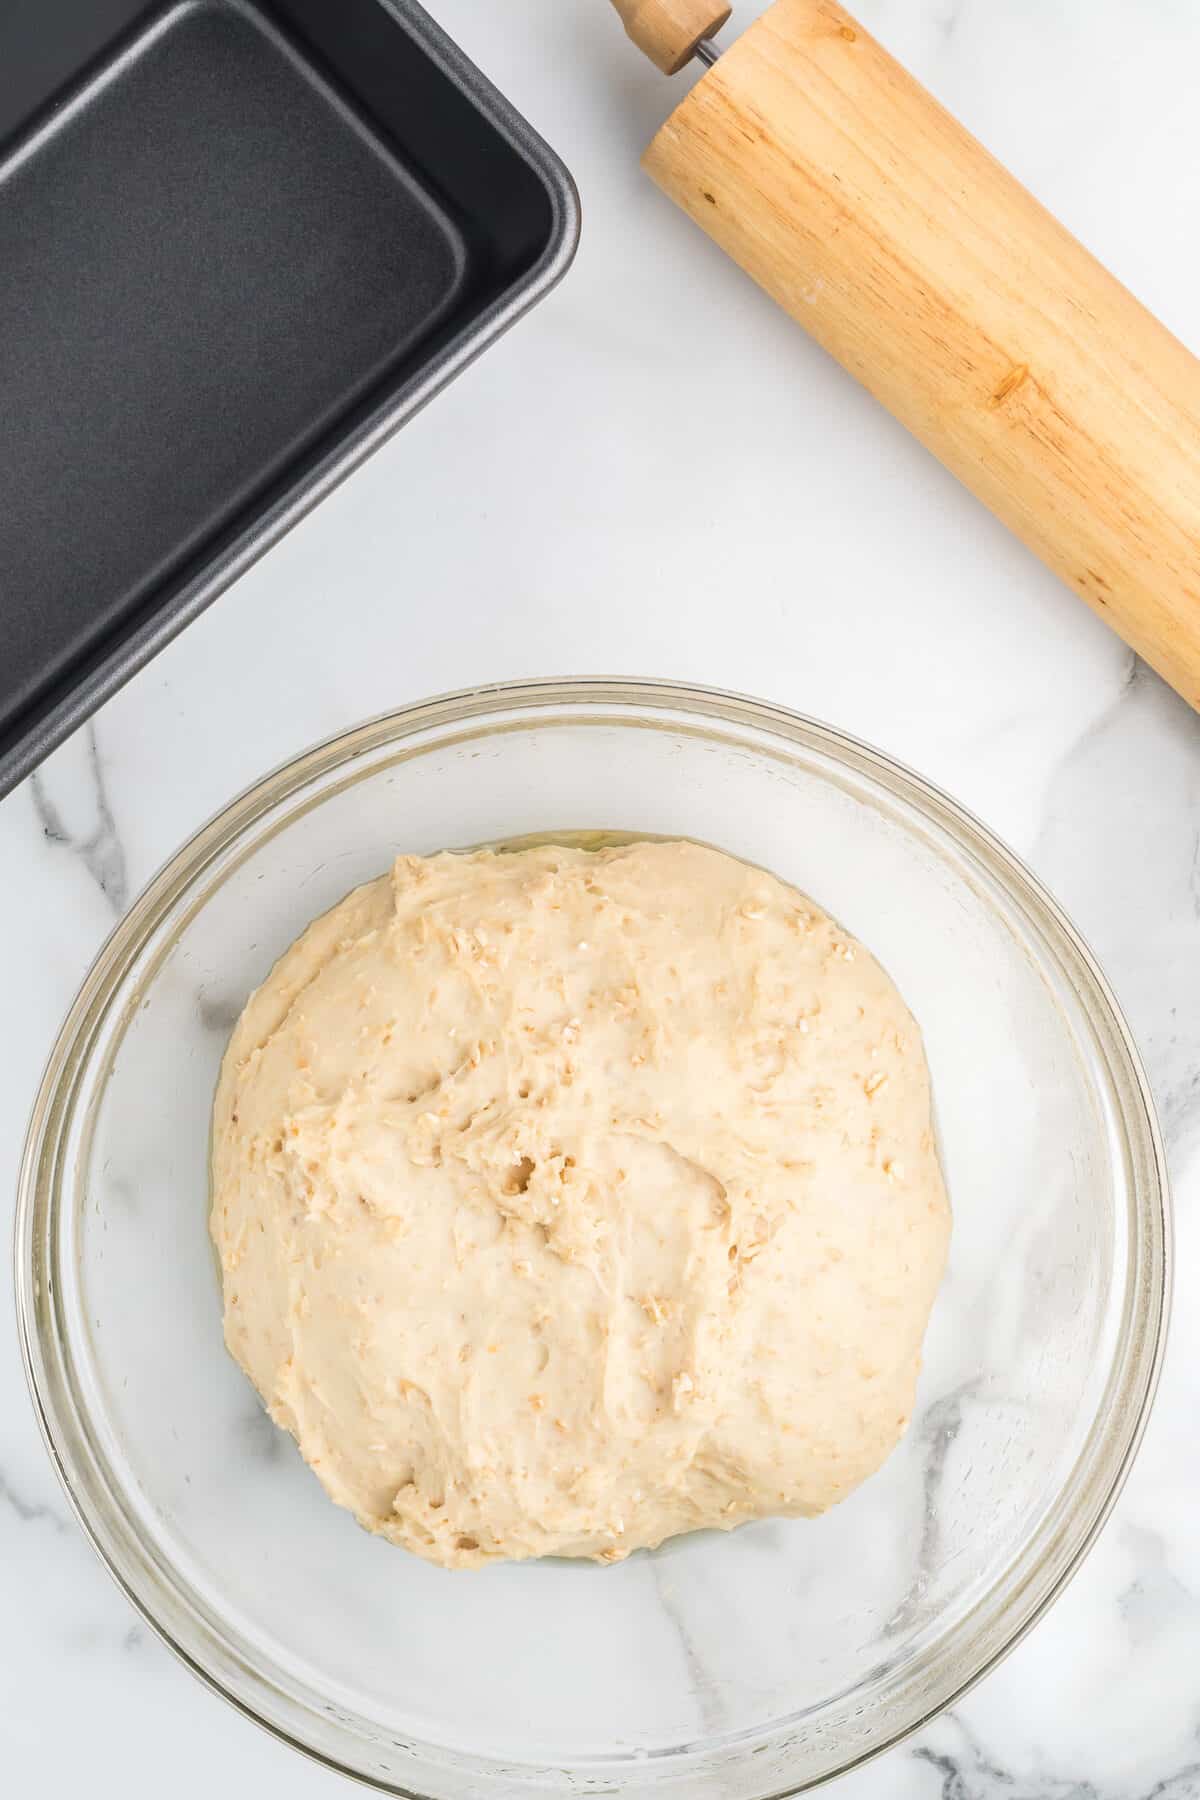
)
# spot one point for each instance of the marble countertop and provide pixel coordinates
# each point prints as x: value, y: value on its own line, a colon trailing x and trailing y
x: 657, y: 475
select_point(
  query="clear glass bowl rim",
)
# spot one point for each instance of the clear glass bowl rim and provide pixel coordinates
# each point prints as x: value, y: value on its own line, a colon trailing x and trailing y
x: 1116, y: 1436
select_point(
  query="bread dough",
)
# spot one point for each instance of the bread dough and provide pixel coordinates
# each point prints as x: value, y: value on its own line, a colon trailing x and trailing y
x: 567, y: 1200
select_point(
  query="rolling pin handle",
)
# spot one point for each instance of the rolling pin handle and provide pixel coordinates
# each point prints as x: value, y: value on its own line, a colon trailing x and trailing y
x: 671, y: 32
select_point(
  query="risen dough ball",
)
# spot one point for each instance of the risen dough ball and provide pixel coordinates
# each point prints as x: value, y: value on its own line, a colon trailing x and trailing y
x: 567, y: 1200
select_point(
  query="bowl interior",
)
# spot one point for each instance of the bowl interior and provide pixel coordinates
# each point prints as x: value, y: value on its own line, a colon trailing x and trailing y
x: 808, y: 1643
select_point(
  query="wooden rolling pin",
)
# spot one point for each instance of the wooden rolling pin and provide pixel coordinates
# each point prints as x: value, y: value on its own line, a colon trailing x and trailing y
x: 938, y: 281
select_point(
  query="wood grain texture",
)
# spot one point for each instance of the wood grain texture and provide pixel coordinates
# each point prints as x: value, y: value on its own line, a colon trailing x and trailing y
x: 669, y: 30
x: 938, y: 281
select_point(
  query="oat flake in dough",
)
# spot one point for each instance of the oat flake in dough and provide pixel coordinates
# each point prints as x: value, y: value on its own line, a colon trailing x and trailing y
x: 568, y: 1200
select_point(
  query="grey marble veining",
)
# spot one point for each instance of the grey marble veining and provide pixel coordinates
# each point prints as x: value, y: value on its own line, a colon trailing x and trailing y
x: 937, y: 1433
x: 968, y: 1770
x: 1120, y: 844
x: 94, y: 837
x: 1155, y: 1600
x: 30, y: 1512
x: 759, y: 525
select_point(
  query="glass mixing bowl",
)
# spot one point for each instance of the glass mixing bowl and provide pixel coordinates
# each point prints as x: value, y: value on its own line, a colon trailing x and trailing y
x: 742, y: 1666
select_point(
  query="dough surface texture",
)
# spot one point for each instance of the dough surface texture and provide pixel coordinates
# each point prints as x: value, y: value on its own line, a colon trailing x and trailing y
x: 567, y: 1200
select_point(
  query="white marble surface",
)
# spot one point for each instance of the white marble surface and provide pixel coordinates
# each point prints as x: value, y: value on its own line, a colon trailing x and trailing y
x: 656, y: 475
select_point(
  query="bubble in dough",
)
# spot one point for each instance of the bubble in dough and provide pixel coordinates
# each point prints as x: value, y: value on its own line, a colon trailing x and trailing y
x: 567, y: 1200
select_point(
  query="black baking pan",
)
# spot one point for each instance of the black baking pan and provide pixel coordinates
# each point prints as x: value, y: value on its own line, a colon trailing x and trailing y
x: 241, y: 241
